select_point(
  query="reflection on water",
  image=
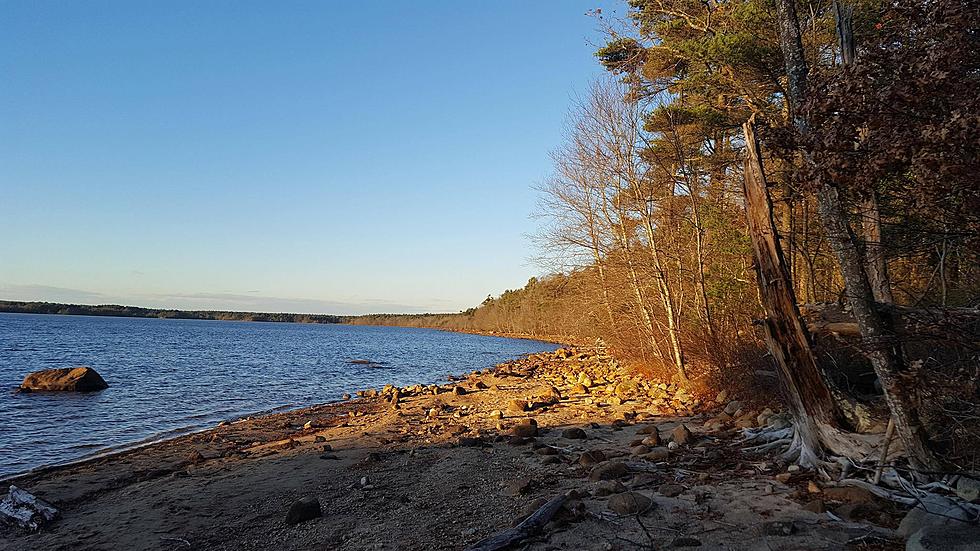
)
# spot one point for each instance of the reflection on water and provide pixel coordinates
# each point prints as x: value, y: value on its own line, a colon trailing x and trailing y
x: 167, y: 377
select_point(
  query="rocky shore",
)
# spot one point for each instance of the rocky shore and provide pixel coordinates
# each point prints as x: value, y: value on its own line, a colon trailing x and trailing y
x: 627, y: 464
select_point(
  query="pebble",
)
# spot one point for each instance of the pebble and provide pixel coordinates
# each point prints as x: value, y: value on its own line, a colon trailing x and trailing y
x: 574, y: 433
x: 609, y: 471
x: 629, y: 503
x: 670, y: 490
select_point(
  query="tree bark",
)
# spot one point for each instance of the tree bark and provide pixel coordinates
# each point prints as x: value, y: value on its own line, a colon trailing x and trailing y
x: 881, y: 346
x: 810, y: 400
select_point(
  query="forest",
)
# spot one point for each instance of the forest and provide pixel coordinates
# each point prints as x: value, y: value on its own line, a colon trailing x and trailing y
x: 16, y: 307
x: 770, y: 185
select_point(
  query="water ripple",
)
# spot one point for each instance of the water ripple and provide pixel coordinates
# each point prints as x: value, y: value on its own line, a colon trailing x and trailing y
x: 170, y: 377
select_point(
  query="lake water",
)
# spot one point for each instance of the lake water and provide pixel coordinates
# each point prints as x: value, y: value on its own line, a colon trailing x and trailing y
x: 168, y: 377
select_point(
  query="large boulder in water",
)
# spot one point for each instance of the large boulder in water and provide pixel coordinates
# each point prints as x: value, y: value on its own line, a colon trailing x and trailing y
x: 68, y: 379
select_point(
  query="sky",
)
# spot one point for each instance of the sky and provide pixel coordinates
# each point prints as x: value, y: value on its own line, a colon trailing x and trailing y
x: 321, y: 156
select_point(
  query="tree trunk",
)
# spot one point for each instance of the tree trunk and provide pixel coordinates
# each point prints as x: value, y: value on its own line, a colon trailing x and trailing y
x: 880, y: 342
x: 813, y: 407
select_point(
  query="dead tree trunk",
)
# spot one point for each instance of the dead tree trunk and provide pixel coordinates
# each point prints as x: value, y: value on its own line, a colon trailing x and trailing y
x: 814, y: 410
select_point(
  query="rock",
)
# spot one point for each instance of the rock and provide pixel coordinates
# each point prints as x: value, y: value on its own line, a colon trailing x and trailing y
x: 653, y: 440
x: 578, y: 388
x: 733, y: 407
x: 459, y: 391
x: 657, y: 454
x: 857, y: 512
x: 629, y: 503
x: 639, y: 450
x: 673, y: 446
x: 546, y: 450
x: 550, y: 460
x: 470, y: 442
x: 968, y: 489
x: 609, y: 471
x: 345, y: 397
x: 763, y: 418
x: 526, y: 428
x: 721, y: 397
x: 195, y: 457
x: 496, y: 414
x: 591, y: 458
x: 681, y: 435
x: 784, y: 477
x: 517, y: 405
x: 686, y: 541
x: 670, y: 490
x: 306, y: 508
x: 956, y: 537
x: 935, y: 511
x: 574, y: 433
x: 648, y: 429
x: 519, y: 486
x: 812, y: 487
x: 319, y: 438
x: 68, y: 379
x: 626, y: 389
x: 584, y: 380
x: 609, y: 487
x: 746, y: 420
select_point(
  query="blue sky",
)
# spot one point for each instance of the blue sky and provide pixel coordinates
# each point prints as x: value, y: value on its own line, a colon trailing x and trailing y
x: 341, y: 157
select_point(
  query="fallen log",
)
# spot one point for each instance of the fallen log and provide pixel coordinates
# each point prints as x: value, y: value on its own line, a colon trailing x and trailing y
x: 26, y: 510
x: 529, y: 527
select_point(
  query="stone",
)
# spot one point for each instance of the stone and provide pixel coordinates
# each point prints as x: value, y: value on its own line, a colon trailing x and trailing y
x: 609, y: 487
x: 550, y: 460
x: 812, y: 487
x: 319, y: 438
x: 653, y: 440
x: 584, y: 380
x: 657, y: 454
x: 639, y: 450
x: 935, y: 511
x: 578, y: 388
x: 496, y: 414
x: 629, y: 503
x: 670, y: 490
x: 681, y: 435
x: 956, y: 537
x: 470, y: 442
x: 733, y: 407
x: 519, y: 486
x: 784, y: 477
x: 517, y: 405
x: 591, y: 458
x: 68, y: 379
x: 574, y: 433
x: 304, y: 509
x: 546, y: 450
x: 721, y: 397
x: 195, y: 457
x: 626, y: 389
x: 459, y: 391
x: 968, y: 489
x: 609, y: 471
x: 526, y: 428
x: 686, y: 541
x: 763, y: 418
x: 746, y: 420
x: 648, y: 429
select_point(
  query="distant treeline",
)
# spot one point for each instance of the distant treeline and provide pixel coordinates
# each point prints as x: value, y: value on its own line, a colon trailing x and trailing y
x: 137, y: 312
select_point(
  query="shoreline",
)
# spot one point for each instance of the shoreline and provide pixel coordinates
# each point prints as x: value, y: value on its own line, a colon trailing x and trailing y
x: 438, y: 467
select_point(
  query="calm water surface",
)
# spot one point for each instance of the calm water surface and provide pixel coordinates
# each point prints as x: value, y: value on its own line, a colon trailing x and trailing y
x: 168, y: 377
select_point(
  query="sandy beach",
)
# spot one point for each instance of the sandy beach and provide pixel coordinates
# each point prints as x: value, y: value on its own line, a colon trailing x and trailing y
x: 642, y: 466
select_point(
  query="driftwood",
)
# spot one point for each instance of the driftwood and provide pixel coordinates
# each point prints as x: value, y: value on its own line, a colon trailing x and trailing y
x: 26, y: 510
x: 530, y: 526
